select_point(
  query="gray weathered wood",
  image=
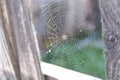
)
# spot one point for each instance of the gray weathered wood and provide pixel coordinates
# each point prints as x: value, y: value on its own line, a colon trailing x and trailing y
x: 110, y: 11
x: 49, y: 78
x: 12, y: 54
x: 21, y: 37
x: 6, y: 68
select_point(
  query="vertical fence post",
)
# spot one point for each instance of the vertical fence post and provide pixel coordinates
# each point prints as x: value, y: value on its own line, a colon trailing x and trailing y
x: 110, y: 12
x: 21, y: 39
x: 6, y: 68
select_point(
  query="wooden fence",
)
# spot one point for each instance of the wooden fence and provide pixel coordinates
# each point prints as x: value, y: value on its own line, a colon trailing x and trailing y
x: 19, y: 52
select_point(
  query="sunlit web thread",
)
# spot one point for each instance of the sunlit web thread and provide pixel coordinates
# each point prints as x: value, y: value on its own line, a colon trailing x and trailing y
x: 52, y: 11
x: 50, y: 29
x: 52, y: 40
x: 55, y: 29
x: 58, y: 38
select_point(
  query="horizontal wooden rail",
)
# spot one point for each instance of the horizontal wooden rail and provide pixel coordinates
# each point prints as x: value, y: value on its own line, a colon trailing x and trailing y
x: 64, y: 74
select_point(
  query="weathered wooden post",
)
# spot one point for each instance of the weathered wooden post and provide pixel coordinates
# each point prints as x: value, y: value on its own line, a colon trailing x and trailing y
x: 19, y: 52
x: 6, y: 67
x: 110, y: 11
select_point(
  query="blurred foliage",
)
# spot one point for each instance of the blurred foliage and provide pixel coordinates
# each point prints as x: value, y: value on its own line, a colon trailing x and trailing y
x: 83, y: 53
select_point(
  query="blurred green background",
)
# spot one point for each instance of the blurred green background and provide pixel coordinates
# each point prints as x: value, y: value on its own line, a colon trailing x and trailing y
x: 81, y: 49
x: 82, y: 53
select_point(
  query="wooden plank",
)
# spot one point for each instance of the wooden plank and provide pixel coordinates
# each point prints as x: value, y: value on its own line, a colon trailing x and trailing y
x: 6, y: 68
x: 110, y: 11
x: 23, y: 39
x: 61, y: 73
x: 11, y: 48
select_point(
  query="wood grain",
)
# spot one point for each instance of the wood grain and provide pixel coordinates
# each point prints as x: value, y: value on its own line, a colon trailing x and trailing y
x: 21, y: 36
x: 110, y: 12
x: 8, y: 35
x: 6, y: 68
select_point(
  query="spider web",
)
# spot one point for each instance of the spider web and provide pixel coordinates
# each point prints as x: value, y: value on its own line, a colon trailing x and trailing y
x: 68, y: 41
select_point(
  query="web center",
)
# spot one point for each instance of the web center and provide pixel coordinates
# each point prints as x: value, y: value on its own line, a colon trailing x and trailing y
x: 64, y: 37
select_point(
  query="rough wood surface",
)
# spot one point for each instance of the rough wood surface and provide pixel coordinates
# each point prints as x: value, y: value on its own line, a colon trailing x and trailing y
x: 7, y: 33
x: 110, y: 11
x: 21, y: 36
x: 6, y: 68
x: 49, y: 78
